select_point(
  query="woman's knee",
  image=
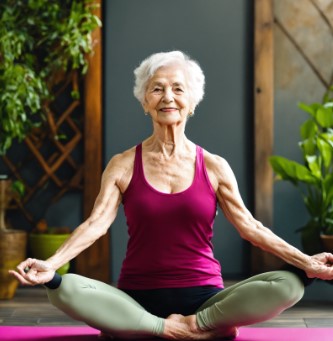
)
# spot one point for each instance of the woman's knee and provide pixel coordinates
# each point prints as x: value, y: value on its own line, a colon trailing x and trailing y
x: 290, y: 286
x: 65, y: 292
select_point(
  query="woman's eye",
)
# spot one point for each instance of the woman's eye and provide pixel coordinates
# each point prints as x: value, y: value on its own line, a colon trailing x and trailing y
x: 157, y: 90
x: 179, y: 90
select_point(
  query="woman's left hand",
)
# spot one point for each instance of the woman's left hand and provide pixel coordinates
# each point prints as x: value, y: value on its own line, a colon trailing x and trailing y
x: 321, y: 266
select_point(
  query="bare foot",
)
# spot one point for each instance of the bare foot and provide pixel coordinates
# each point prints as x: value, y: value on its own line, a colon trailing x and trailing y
x: 186, y: 328
x: 229, y: 333
x: 179, y: 327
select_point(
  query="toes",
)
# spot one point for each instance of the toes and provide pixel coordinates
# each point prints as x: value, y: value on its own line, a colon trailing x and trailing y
x: 232, y: 336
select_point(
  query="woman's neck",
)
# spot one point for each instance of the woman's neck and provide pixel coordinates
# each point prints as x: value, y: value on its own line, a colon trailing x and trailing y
x: 168, y: 141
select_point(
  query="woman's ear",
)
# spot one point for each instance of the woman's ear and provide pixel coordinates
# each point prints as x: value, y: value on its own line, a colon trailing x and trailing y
x: 192, y: 108
x: 145, y: 105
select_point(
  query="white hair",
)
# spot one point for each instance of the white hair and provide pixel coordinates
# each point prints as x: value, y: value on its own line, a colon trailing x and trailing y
x: 147, y: 68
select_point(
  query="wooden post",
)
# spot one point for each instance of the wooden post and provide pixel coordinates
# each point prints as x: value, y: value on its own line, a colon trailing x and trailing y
x: 94, y: 262
x: 263, y: 125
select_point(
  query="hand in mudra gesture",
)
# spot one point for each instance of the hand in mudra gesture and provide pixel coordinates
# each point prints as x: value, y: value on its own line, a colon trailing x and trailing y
x: 321, y: 266
x: 33, y: 272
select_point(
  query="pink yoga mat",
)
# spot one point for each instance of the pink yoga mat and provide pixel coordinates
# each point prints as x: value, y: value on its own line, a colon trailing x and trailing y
x: 89, y: 334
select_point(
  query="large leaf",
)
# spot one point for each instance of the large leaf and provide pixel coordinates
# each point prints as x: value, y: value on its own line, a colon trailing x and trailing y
x: 324, y: 117
x: 308, y: 129
x: 325, y: 151
x: 314, y: 164
x: 328, y: 137
x: 308, y: 146
x: 311, y: 109
x: 291, y: 170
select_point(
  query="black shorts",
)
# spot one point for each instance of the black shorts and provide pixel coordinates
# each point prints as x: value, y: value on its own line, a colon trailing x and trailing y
x: 167, y: 301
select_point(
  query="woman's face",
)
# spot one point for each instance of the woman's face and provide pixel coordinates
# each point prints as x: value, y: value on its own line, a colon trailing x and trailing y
x: 167, y: 97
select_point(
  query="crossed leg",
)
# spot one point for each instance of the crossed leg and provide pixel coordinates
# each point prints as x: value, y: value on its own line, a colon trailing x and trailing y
x: 115, y: 313
x: 104, y: 307
x: 112, y: 311
x: 254, y: 300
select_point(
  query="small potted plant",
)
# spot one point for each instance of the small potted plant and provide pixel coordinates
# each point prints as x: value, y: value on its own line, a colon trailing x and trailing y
x: 45, y: 240
x: 314, y: 176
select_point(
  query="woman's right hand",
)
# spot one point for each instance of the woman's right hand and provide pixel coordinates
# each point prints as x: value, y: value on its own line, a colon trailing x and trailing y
x: 321, y: 266
x: 33, y: 272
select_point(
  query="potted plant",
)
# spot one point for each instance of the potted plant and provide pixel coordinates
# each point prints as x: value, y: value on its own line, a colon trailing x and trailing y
x: 44, y: 241
x: 42, y: 45
x: 314, y: 176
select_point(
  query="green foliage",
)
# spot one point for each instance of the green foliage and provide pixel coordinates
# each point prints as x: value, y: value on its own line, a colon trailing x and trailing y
x: 18, y: 187
x: 313, y: 177
x: 38, y: 40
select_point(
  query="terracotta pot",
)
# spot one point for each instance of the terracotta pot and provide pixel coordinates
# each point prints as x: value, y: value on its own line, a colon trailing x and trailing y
x: 12, y: 252
x: 327, y: 241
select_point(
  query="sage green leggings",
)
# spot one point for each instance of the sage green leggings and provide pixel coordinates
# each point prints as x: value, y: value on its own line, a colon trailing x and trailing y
x: 110, y: 310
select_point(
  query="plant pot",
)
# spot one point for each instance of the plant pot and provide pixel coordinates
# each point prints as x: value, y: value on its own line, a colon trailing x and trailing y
x: 12, y: 252
x: 327, y: 241
x: 310, y: 239
x: 44, y: 245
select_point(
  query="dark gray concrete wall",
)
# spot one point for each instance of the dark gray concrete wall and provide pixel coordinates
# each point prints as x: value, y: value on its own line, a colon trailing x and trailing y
x: 218, y: 34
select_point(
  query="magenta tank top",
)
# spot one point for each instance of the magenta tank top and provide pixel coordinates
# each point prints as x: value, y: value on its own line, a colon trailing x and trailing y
x: 170, y: 235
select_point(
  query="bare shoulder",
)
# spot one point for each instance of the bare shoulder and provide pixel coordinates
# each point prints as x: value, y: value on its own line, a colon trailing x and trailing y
x: 215, y: 163
x: 214, y: 160
x: 121, y: 160
x: 219, y: 171
x: 120, y: 168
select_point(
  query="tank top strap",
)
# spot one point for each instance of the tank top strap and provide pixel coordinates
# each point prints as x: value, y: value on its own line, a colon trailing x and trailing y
x: 200, y: 164
x: 138, y: 167
x: 201, y: 170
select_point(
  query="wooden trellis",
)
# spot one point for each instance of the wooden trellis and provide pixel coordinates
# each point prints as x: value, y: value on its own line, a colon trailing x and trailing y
x: 51, y: 147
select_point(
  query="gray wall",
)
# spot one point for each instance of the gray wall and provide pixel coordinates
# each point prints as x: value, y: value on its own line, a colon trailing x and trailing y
x: 216, y: 33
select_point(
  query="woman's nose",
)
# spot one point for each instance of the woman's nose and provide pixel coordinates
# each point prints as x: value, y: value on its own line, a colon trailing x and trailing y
x: 167, y: 96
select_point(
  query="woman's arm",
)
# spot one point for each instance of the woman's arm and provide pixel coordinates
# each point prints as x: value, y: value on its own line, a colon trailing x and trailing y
x: 231, y: 203
x: 33, y: 271
x: 102, y: 216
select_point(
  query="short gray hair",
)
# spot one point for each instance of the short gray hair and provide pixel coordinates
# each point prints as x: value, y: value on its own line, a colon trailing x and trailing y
x: 195, y: 76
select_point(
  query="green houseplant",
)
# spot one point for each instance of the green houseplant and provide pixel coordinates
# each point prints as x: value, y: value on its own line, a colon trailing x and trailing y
x: 42, y: 43
x: 44, y: 241
x: 313, y: 177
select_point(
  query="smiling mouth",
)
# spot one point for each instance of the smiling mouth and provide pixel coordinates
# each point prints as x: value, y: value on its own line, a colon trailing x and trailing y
x: 168, y: 109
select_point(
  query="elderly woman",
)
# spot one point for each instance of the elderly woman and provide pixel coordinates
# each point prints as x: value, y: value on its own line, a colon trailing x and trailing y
x: 170, y: 284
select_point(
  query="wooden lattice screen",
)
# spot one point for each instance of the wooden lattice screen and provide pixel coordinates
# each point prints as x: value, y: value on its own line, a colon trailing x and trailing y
x: 51, y: 157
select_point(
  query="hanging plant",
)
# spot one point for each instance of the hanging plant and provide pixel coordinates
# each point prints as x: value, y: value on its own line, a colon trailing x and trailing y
x: 39, y: 40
